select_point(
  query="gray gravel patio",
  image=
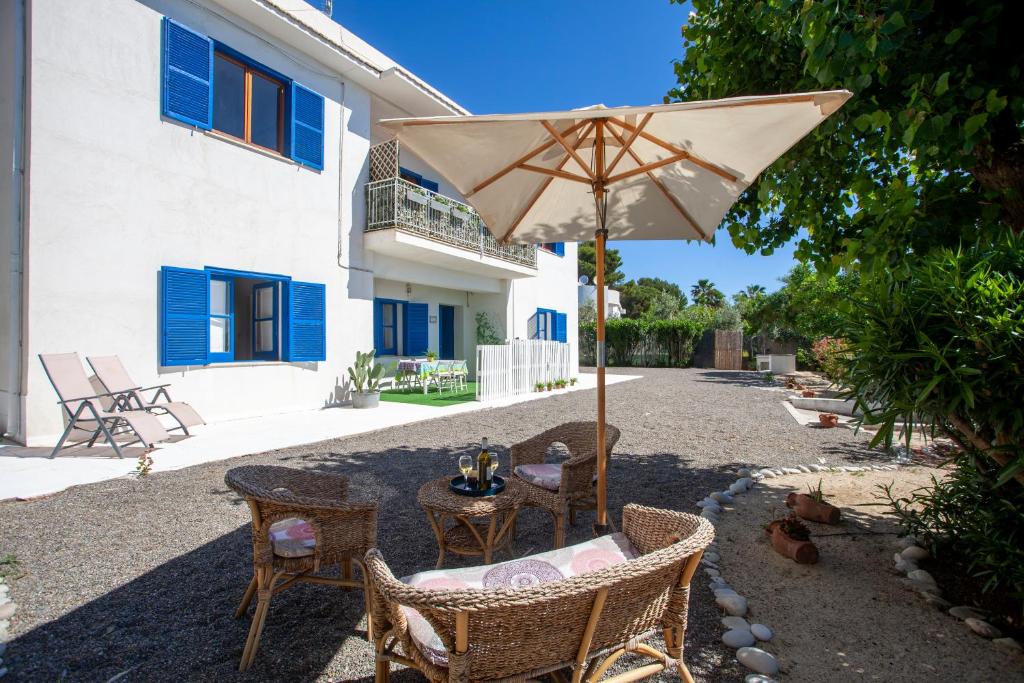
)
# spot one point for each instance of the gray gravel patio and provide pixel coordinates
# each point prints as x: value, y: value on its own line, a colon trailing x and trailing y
x: 140, y: 576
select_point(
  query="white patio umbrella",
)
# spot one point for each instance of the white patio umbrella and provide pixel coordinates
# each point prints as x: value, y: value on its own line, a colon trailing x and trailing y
x: 658, y: 172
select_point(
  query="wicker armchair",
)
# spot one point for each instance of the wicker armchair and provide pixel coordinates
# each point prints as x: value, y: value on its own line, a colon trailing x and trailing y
x: 575, y: 488
x: 302, y: 522
x: 584, y: 623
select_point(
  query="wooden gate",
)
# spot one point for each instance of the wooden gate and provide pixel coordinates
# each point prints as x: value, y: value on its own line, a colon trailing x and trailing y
x: 728, y: 350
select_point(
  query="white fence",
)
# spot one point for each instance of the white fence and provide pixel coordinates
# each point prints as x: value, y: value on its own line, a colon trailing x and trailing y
x: 504, y: 370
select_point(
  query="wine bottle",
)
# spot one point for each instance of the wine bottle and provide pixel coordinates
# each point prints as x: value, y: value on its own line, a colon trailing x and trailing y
x: 483, y: 466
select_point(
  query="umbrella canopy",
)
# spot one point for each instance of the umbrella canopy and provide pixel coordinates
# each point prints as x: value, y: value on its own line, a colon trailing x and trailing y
x: 660, y: 172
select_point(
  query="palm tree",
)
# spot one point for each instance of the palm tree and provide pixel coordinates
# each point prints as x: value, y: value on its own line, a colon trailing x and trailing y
x: 704, y: 293
x: 754, y: 291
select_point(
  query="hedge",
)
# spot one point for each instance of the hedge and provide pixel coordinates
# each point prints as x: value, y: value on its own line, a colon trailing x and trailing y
x: 643, y: 343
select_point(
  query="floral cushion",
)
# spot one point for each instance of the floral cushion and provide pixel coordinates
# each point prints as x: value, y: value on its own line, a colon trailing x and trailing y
x: 553, y: 565
x: 545, y: 475
x: 292, y: 538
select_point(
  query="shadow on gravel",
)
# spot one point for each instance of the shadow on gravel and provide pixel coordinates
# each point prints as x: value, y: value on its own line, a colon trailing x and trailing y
x: 175, y: 620
x: 743, y: 378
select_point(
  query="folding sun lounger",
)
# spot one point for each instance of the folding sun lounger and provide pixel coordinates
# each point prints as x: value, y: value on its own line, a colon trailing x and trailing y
x: 85, y: 412
x: 115, y: 379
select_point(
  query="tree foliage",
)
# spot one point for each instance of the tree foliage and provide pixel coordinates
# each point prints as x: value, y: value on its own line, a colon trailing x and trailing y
x: 587, y: 264
x: 928, y: 150
x: 652, y: 298
x: 705, y: 293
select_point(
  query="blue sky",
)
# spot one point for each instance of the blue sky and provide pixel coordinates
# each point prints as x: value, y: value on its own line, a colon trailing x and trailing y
x: 536, y: 55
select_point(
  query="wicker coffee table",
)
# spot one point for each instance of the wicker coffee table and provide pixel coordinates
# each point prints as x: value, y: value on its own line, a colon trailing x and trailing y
x: 466, y: 536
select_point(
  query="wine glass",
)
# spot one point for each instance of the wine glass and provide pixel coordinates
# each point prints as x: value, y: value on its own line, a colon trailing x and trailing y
x: 465, y: 465
x: 494, y: 464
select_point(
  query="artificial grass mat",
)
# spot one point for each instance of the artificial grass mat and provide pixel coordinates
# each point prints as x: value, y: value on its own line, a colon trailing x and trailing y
x: 432, y: 398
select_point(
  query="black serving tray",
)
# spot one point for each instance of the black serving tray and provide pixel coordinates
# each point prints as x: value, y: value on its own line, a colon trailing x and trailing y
x: 458, y: 485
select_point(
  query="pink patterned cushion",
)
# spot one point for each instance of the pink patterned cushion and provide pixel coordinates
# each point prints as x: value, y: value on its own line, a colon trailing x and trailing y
x: 292, y: 538
x: 553, y: 565
x: 545, y: 475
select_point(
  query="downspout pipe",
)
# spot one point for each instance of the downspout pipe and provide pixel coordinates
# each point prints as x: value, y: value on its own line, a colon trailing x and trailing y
x: 15, y: 414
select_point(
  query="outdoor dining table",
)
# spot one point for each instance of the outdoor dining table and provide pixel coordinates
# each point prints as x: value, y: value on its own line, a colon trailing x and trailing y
x: 416, y: 368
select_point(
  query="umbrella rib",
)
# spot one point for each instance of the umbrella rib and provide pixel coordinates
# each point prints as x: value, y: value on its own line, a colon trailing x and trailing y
x: 544, y: 185
x: 558, y: 173
x: 523, y: 159
x: 707, y: 165
x: 565, y: 145
x: 664, y: 190
x: 628, y: 143
x: 647, y: 167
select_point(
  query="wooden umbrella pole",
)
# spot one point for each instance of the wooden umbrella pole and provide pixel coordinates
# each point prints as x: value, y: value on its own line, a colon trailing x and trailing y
x: 600, y: 237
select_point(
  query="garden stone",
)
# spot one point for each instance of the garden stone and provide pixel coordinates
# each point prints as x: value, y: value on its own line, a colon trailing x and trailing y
x: 903, y: 566
x: 737, y: 638
x: 746, y: 481
x: 914, y: 552
x: 709, y: 563
x: 816, y: 468
x: 721, y: 497
x: 936, y: 601
x: 982, y: 628
x: 761, y: 632
x: 737, y: 488
x: 733, y: 623
x: 790, y: 470
x: 712, y: 572
x: 767, y: 473
x: 779, y: 471
x: 743, y: 472
x: 758, y: 678
x: 734, y: 605
x: 965, y: 612
x: 707, y: 514
x: 804, y: 468
x: 712, y: 556
x: 1008, y: 644
x: 924, y: 587
x: 921, y: 575
x: 7, y: 611
x: 757, y: 659
x: 906, y: 541
x: 3, y: 672
x: 722, y: 592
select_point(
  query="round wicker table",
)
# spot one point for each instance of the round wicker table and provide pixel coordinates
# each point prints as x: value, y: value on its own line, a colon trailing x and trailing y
x: 466, y: 536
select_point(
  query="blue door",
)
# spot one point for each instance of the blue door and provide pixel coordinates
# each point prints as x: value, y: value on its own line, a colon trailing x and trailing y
x: 447, y: 332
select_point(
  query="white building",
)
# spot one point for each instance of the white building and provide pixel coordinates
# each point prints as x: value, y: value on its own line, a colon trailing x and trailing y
x: 200, y: 187
x: 587, y: 296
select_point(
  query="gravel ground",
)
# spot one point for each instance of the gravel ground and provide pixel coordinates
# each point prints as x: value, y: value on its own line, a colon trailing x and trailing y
x: 140, y: 576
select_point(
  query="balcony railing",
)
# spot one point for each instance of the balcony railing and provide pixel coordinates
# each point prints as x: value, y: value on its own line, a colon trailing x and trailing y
x: 394, y: 203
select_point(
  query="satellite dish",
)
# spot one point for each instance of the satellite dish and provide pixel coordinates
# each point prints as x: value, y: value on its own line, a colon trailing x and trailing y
x: 584, y: 279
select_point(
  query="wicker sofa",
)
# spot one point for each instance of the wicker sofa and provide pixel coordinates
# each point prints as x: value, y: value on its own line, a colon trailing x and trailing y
x: 578, y: 608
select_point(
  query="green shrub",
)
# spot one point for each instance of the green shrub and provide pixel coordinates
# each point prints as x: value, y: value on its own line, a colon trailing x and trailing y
x: 644, y: 343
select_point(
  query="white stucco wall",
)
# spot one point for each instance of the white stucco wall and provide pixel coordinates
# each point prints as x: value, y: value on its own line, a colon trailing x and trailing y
x: 554, y: 287
x: 8, y: 102
x: 117, y: 192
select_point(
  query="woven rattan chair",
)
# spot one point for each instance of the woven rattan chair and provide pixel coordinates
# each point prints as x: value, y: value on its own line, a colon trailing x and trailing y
x: 569, y: 486
x: 302, y: 523
x: 584, y: 623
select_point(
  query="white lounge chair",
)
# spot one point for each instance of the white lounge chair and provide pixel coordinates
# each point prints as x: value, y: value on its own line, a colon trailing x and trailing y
x: 128, y: 395
x: 85, y: 411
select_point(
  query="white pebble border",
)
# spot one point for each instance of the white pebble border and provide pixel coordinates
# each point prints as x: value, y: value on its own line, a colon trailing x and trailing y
x: 739, y: 634
x: 743, y: 636
x: 7, y: 610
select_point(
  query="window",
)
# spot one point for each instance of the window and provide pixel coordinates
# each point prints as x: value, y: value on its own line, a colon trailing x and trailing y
x: 219, y: 315
x: 417, y: 179
x: 556, y: 248
x: 212, y: 87
x: 247, y: 104
x: 400, y: 328
x: 548, y: 324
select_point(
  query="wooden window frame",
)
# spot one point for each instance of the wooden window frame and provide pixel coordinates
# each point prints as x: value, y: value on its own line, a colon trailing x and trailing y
x: 251, y: 71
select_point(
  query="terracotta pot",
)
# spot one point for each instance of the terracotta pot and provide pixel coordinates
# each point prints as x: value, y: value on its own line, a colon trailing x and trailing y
x: 801, y: 552
x: 808, y: 508
x: 808, y: 393
x: 828, y: 419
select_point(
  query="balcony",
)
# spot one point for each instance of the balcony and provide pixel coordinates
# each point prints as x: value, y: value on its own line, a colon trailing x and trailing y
x: 453, y: 231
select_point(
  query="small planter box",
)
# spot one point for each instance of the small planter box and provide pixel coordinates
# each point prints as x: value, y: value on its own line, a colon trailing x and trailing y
x: 801, y: 552
x: 460, y: 214
x: 416, y: 197
x: 439, y: 206
x: 808, y: 508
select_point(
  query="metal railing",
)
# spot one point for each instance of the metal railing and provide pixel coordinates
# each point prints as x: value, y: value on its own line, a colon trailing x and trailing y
x: 394, y: 203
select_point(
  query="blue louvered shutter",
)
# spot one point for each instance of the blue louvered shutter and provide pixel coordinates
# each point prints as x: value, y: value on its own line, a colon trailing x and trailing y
x: 559, y: 248
x: 378, y: 325
x: 428, y: 185
x: 187, y: 78
x: 416, y: 341
x: 184, y: 316
x: 561, y: 327
x: 307, y: 127
x: 305, y: 321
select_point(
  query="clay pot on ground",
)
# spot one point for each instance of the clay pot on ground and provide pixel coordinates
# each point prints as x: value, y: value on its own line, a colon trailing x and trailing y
x: 808, y: 508
x: 828, y: 419
x: 808, y: 393
x: 801, y: 552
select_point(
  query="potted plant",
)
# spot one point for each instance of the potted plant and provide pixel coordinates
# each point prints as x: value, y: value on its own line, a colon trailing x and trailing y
x: 791, y: 538
x: 560, y: 383
x: 431, y: 356
x: 828, y: 419
x: 415, y: 194
x: 460, y: 213
x: 808, y: 393
x: 439, y: 204
x: 551, y: 385
x: 812, y: 506
x: 365, y: 380
x: 572, y: 381
x: 539, y: 386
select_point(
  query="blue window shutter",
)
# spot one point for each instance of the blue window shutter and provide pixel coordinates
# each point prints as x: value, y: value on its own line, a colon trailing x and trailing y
x: 531, y: 326
x: 559, y: 248
x: 307, y: 127
x: 184, y: 316
x: 561, y: 327
x: 305, y: 321
x: 187, y: 75
x: 378, y: 325
x: 416, y: 341
x: 428, y: 185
